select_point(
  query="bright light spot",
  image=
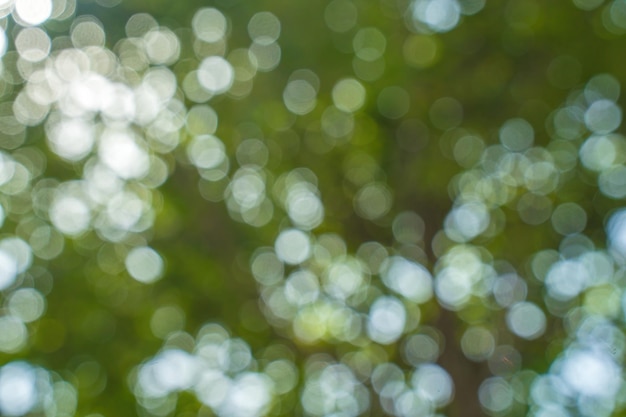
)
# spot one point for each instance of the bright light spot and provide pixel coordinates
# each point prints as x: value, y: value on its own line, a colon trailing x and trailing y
x: 201, y: 120
x: 453, y: 287
x: 334, y: 391
x: 247, y: 188
x: 602, y: 86
x: 70, y: 215
x: 88, y: 33
x: 300, y: 97
x: 438, y: 15
x: 612, y: 182
x: 302, y: 287
x: 18, y: 389
x: 33, y: 44
x: 216, y: 74
x: 267, y: 268
x: 547, y: 390
x: 373, y: 201
x: 87, y: 92
x: 509, y: 289
x: 27, y: 304
x: 386, y: 320
x: 311, y: 321
x: 616, y: 230
x: 348, y: 95
x: 388, y: 380
x: 118, y: 102
x: 7, y: 168
x: 467, y: 221
x: 568, y: 122
x: 599, y: 152
x: 603, y: 116
x: 408, y: 279
x: 162, y: 82
x: 471, y: 7
x: 517, y: 135
x: 495, y: 395
x: 139, y: 24
x: 265, y: 56
x: 162, y: 46
x: 209, y: 25
x: 591, y: 373
x: 33, y: 12
x: 124, y: 210
x: 3, y: 42
x: 172, y: 370
x: 19, y: 250
x: 433, y: 383
x: 552, y: 410
x: 526, y: 320
x: 144, y: 264
x: 4, y: 5
x: 304, y: 207
x: 409, y: 404
x: 212, y: 387
x: 206, y: 151
x: 248, y: 396
x: 237, y: 356
x: 123, y: 155
x: 600, y: 266
x: 13, y: 334
x: 343, y: 278
x: 264, y: 28
x: 566, y: 279
x: 71, y: 139
x: 102, y: 183
x: 145, y: 103
x: 27, y: 111
x: 293, y: 246
x: 8, y: 270
x: 284, y: 374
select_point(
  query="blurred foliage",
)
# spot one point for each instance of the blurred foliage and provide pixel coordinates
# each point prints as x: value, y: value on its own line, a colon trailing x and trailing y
x: 322, y: 208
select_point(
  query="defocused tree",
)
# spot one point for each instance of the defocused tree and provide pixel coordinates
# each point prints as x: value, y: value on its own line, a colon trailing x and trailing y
x: 338, y: 208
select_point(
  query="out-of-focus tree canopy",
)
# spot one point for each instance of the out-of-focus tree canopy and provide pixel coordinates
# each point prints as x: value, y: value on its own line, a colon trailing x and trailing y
x: 318, y: 208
